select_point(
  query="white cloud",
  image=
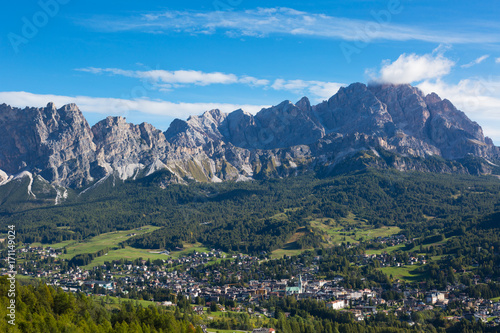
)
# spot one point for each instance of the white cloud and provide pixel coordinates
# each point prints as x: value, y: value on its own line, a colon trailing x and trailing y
x: 324, y: 90
x: 167, y: 80
x: 253, y: 81
x: 410, y: 68
x: 283, y: 21
x: 497, y: 60
x: 321, y: 90
x: 116, y: 106
x: 174, y: 78
x: 295, y: 86
x: 479, y: 98
x: 476, y: 61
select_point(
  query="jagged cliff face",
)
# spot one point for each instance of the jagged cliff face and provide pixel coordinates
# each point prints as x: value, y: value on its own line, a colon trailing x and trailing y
x: 126, y: 148
x: 55, y: 143
x: 283, y: 140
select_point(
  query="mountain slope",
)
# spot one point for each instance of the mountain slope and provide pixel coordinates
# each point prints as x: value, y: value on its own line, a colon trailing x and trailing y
x: 386, y: 126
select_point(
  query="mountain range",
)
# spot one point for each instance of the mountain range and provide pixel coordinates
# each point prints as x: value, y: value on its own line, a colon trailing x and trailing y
x: 385, y: 126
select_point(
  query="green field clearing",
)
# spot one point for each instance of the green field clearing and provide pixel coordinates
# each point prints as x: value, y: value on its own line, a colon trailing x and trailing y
x: 360, y: 230
x: 291, y: 248
x: 379, y: 232
x: 351, y: 219
x: 111, y: 240
x: 333, y: 230
x: 414, y: 249
x: 406, y: 273
x: 25, y: 279
x: 97, y: 243
x: 131, y: 253
x: 215, y: 330
x: 127, y: 253
x: 336, y: 234
x: 279, y: 253
x: 116, y: 301
x: 387, y: 249
x: 189, y: 248
x: 496, y: 299
x: 100, y: 242
x: 280, y: 217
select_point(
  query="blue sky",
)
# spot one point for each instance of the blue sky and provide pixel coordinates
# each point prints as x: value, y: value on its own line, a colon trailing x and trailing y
x: 154, y: 63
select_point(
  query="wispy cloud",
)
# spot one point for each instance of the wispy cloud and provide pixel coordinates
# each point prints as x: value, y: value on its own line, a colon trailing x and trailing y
x: 281, y: 21
x: 497, y: 60
x: 409, y: 68
x: 116, y: 106
x: 166, y: 80
x: 476, y: 61
x: 321, y: 90
x: 175, y: 79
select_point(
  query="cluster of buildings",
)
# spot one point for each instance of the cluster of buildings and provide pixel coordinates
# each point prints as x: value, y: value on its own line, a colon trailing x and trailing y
x: 188, y: 276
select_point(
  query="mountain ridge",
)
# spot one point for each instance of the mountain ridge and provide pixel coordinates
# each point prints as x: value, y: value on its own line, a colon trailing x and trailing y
x: 60, y: 146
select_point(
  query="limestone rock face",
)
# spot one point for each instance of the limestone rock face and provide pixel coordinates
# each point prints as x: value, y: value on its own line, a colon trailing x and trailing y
x: 407, y: 108
x: 354, y: 109
x: 127, y: 148
x: 56, y: 143
x: 281, y: 141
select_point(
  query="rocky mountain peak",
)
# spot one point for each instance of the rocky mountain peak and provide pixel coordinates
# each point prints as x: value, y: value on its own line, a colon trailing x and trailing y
x: 51, y: 106
x: 126, y: 148
x: 59, y: 145
x: 432, y: 98
x: 304, y: 104
x: 215, y: 115
x: 72, y: 107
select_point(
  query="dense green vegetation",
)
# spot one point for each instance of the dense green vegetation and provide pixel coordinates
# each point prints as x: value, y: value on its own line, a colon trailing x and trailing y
x: 452, y: 220
x: 262, y: 215
x: 43, y: 309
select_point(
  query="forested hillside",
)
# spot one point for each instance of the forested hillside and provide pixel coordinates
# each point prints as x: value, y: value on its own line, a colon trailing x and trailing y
x: 260, y: 215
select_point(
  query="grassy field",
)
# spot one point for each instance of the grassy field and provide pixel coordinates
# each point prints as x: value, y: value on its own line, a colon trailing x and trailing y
x: 291, y: 248
x: 127, y: 253
x: 111, y: 240
x: 131, y: 253
x: 24, y: 279
x: 388, y: 249
x: 279, y: 253
x: 114, y: 302
x: 414, y: 249
x: 496, y: 299
x: 107, y: 240
x: 379, y: 232
x: 215, y: 330
x: 406, y: 273
x: 350, y: 229
x: 188, y: 248
x: 358, y: 230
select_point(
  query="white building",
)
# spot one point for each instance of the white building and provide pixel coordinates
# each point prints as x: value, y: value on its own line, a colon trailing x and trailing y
x: 337, y: 305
